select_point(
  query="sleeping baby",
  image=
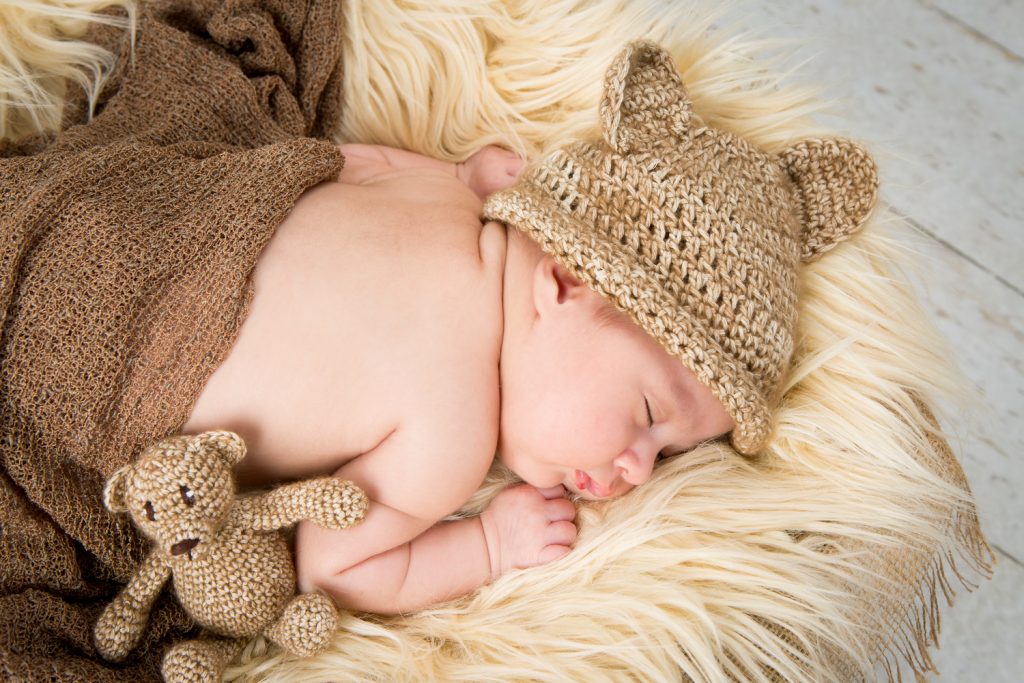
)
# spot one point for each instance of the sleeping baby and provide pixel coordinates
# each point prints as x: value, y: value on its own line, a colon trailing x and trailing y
x: 640, y: 301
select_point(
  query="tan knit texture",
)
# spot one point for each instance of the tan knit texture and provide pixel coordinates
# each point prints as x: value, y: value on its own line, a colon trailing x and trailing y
x: 199, y: 661
x: 693, y: 232
x: 307, y: 624
x: 232, y: 570
x: 126, y: 247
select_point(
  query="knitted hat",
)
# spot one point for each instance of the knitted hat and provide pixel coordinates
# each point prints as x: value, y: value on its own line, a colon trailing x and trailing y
x: 693, y: 232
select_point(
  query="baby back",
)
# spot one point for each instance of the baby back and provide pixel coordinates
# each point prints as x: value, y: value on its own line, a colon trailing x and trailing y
x: 371, y: 303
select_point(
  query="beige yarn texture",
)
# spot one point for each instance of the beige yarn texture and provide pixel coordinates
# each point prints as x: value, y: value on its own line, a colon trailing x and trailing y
x: 693, y: 232
x: 231, y: 570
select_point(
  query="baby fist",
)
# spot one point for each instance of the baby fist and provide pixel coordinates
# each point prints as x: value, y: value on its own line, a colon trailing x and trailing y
x: 490, y: 169
x: 525, y: 527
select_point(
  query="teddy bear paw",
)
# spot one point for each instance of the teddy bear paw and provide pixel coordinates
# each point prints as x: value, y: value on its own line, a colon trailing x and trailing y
x: 117, y: 631
x: 336, y: 503
x: 306, y: 625
x: 199, y: 661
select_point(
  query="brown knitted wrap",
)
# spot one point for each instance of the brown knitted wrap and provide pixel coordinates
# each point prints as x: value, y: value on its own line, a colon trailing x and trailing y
x: 691, y: 231
x: 126, y: 247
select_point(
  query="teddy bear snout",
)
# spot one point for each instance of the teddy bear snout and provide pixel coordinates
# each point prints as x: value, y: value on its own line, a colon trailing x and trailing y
x: 184, y: 546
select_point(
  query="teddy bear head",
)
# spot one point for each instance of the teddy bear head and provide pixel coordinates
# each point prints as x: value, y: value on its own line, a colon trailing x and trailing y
x: 179, y: 491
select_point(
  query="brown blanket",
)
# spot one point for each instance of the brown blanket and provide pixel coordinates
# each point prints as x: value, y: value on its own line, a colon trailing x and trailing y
x: 126, y: 246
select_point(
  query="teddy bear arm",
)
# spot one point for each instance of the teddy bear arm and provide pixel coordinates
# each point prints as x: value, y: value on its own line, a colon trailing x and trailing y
x: 123, y: 620
x: 333, y: 503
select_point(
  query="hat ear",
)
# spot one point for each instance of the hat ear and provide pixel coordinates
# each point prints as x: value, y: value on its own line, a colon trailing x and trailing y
x: 836, y: 185
x: 116, y: 488
x: 644, y: 100
x: 228, y: 445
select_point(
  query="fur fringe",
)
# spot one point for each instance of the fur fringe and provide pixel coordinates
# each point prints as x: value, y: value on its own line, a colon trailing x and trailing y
x: 818, y: 561
x: 40, y: 54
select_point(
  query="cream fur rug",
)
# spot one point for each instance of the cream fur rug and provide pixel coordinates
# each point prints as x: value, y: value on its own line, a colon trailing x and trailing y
x: 819, y: 561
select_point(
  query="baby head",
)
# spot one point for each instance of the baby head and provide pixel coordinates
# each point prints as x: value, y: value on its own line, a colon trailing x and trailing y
x: 662, y: 296
x: 588, y: 398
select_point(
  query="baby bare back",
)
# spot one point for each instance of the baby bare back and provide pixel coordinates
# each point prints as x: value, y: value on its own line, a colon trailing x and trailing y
x: 376, y: 318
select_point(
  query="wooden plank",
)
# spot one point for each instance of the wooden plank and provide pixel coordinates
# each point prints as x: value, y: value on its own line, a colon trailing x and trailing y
x: 940, y: 109
x: 981, y: 637
x: 984, y: 323
x: 1000, y: 22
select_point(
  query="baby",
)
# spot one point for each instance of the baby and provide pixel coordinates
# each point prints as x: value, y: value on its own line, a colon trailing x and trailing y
x: 642, y: 305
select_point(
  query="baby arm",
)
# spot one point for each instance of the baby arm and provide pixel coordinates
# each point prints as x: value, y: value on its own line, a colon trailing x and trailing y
x: 488, y: 170
x: 437, y: 563
x: 398, y: 560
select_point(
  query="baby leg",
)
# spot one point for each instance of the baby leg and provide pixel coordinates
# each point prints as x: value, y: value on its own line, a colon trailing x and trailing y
x: 307, y: 624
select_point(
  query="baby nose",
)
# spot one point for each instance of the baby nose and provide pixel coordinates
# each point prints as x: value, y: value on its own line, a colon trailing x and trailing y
x: 636, y: 468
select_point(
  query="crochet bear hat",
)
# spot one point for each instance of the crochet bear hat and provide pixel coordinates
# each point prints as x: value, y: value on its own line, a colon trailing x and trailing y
x: 694, y: 233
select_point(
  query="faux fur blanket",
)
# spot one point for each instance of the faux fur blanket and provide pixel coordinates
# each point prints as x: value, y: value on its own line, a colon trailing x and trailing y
x: 126, y: 244
x: 817, y: 561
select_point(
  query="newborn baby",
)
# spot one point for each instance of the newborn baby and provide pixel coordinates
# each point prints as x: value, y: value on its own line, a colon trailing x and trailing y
x: 643, y: 303
x: 395, y: 341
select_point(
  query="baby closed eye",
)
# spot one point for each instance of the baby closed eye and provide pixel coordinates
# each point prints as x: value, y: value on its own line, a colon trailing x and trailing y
x: 650, y: 423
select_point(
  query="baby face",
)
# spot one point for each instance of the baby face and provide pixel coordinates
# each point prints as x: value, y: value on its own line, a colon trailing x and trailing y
x: 592, y: 402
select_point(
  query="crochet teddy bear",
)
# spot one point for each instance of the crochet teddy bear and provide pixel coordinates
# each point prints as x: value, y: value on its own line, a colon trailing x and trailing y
x: 230, y: 563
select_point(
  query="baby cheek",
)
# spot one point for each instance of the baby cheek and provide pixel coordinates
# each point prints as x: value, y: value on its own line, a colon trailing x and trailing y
x: 550, y: 417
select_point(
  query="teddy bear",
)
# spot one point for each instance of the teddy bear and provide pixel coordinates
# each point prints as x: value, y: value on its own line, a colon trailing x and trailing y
x: 229, y: 561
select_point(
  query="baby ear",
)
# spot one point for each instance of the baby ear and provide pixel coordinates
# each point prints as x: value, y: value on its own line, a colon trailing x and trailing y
x: 116, y: 488
x: 644, y: 100
x: 836, y: 185
x: 227, y: 444
x: 553, y: 285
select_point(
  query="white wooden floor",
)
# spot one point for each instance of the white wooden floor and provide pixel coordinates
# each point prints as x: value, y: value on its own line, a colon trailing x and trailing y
x: 936, y: 89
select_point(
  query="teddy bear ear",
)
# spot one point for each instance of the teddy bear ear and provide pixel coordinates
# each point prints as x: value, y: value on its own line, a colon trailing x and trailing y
x: 644, y: 102
x: 115, y: 490
x: 836, y: 184
x: 227, y: 444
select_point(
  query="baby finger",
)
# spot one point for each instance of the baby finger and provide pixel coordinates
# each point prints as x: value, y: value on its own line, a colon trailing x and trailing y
x: 560, y: 533
x: 560, y: 509
x: 550, y: 553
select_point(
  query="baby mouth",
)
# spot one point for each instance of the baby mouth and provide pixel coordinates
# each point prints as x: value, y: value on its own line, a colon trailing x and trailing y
x: 585, y: 483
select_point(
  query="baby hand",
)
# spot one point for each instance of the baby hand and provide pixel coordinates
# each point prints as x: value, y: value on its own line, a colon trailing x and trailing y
x: 490, y: 169
x: 526, y: 526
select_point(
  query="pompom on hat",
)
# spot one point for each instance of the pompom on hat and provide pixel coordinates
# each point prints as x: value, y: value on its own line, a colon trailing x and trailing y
x: 693, y: 232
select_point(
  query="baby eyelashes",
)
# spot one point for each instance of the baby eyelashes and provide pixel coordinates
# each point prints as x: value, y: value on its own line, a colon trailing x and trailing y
x: 525, y: 526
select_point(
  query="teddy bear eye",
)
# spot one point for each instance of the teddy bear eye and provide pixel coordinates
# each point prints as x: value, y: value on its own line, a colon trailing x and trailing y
x: 150, y: 514
x: 188, y: 496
